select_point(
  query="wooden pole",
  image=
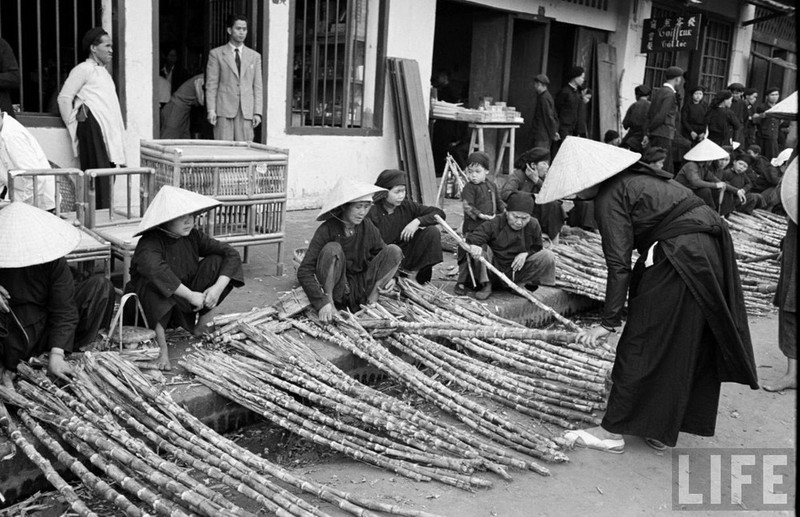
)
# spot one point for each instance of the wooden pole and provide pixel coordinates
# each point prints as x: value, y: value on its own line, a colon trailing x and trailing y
x: 519, y: 290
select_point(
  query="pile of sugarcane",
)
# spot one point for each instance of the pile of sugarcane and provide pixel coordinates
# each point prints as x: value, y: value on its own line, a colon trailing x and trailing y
x: 543, y: 375
x: 581, y: 267
x: 136, y: 448
x: 757, y: 239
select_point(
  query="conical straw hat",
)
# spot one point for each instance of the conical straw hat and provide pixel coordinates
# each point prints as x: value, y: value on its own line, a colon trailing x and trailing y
x: 705, y: 151
x: 789, y: 190
x: 171, y: 203
x: 582, y: 163
x: 785, y: 109
x: 346, y: 191
x: 30, y: 236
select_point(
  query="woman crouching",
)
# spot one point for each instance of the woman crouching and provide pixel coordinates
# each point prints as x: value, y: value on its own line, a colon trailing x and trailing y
x: 178, y: 272
x: 347, y: 264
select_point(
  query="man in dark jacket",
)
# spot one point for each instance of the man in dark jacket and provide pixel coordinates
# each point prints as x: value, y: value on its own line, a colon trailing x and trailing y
x: 739, y: 108
x: 662, y: 119
x: 568, y: 104
x: 545, y: 122
x: 636, y: 119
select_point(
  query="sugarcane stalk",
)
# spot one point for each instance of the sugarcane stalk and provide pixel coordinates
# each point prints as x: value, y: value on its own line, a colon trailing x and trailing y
x: 97, y: 485
x: 75, y: 503
x: 522, y: 292
x: 449, y: 330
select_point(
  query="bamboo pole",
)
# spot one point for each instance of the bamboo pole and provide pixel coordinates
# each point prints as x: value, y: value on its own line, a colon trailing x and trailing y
x: 522, y: 292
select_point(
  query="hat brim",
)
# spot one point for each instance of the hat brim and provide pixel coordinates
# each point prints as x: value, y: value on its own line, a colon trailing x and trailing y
x: 31, y: 236
x: 705, y: 151
x: 347, y: 191
x: 171, y: 203
x: 789, y: 191
x: 785, y: 109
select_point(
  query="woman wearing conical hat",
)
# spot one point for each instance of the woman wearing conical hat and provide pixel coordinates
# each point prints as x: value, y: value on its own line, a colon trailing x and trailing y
x: 42, y: 308
x: 698, y: 173
x: 686, y: 330
x: 178, y: 272
x: 347, y: 264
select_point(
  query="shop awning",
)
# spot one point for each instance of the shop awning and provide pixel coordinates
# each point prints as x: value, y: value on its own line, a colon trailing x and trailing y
x: 776, y: 60
x: 778, y: 9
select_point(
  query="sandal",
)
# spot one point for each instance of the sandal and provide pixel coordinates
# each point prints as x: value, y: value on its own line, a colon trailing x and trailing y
x: 583, y: 438
x: 655, y: 444
x: 460, y: 290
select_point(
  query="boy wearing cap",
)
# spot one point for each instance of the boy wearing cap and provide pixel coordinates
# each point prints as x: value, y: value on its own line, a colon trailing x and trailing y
x: 739, y: 109
x: 408, y: 224
x: 347, y: 264
x: 568, y: 104
x: 736, y: 177
x: 481, y: 202
x: 663, y: 114
x: 529, y: 173
x: 42, y: 309
x: 545, y: 122
x: 178, y: 272
x: 635, y: 120
x: 512, y: 242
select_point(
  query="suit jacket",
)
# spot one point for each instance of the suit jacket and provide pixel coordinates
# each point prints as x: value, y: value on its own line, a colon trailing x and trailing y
x: 545, y: 122
x: 663, y: 114
x: 226, y: 90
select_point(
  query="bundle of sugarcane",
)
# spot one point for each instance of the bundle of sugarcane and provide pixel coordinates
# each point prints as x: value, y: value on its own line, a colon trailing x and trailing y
x: 249, y: 384
x: 762, y: 228
x: 117, y: 422
x: 347, y: 334
x: 304, y: 373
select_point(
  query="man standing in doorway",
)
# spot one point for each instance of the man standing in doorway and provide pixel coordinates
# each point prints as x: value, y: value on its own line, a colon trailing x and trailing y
x: 233, y: 85
x: 568, y: 103
x: 663, y: 115
x: 545, y: 122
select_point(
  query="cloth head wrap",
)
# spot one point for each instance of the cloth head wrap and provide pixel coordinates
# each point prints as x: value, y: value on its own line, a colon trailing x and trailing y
x: 388, y: 179
x: 480, y: 158
x: 520, y: 202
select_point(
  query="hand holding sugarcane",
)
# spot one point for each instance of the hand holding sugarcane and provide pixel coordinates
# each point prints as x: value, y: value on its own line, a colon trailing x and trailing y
x: 593, y: 335
x: 519, y: 261
x: 327, y: 313
x: 57, y: 366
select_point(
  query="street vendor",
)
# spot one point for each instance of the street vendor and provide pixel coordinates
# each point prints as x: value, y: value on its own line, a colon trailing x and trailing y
x: 408, y: 224
x: 179, y: 273
x: 512, y: 242
x: 42, y: 309
x: 698, y: 171
x: 529, y: 173
x: 686, y: 329
x: 347, y: 264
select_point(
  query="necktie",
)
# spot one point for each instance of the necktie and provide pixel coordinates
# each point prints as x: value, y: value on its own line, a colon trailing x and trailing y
x: 238, y: 61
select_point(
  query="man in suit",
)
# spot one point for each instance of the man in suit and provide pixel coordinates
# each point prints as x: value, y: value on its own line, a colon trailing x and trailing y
x: 662, y: 118
x: 568, y: 103
x: 545, y: 122
x: 233, y: 85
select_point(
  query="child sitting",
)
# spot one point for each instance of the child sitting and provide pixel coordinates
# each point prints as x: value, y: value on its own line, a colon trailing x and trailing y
x: 481, y: 201
x: 736, y: 177
x: 178, y: 271
x: 512, y: 242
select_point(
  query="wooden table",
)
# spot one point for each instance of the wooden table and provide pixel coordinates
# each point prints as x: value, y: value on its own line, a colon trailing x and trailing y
x: 508, y: 140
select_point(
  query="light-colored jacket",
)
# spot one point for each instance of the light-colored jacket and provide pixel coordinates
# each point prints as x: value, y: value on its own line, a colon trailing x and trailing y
x: 226, y: 89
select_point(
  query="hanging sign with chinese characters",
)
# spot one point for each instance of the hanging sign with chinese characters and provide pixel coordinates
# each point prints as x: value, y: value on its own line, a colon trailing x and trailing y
x: 671, y: 34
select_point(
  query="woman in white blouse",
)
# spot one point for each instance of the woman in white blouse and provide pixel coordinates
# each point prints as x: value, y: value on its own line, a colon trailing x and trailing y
x: 90, y: 109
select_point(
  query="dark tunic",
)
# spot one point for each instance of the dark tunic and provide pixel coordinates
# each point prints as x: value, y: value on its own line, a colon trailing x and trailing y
x: 767, y: 132
x: 162, y: 262
x: 730, y: 201
x: 550, y: 215
x: 483, y: 198
x: 693, y: 118
x: 786, y: 295
x: 359, y: 249
x: 686, y: 330
x: 739, y: 109
x: 505, y: 242
x: 54, y: 312
x: 722, y: 124
x: 545, y: 122
x: 568, y: 103
x: 635, y: 121
x: 417, y: 253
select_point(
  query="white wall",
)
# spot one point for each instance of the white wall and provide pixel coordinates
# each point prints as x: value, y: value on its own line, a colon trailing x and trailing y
x: 139, y: 56
x: 627, y: 40
x: 317, y: 161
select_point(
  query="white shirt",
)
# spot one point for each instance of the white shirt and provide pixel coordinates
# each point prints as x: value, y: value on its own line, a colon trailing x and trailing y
x: 20, y: 150
x: 670, y: 87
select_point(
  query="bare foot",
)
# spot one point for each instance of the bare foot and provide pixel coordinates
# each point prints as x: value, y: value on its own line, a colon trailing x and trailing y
x: 787, y: 382
x: 163, y: 363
